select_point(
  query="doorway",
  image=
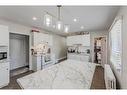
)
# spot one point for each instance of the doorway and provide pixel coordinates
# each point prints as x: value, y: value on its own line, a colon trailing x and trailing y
x: 100, y: 50
x: 19, y: 53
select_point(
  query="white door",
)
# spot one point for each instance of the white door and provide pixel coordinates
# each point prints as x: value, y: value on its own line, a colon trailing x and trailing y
x: 17, y: 53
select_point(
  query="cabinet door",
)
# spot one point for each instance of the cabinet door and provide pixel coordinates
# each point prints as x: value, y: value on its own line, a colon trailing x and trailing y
x: 39, y: 37
x: 39, y: 65
x: 4, y: 74
x: 86, y: 40
x: 79, y: 39
x: 69, y: 41
x: 47, y: 38
x: 4, y: 36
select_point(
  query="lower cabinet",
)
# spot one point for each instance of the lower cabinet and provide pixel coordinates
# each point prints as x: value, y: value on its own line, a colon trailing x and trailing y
x: 78, y: 57
x: 41, y: 62
x: 4, y: 74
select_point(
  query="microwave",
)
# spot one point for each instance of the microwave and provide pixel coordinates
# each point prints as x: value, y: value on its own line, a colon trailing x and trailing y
x: 3, y: 55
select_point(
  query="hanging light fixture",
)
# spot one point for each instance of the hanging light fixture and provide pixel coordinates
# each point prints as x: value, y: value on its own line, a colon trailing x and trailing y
x: 47, y: 19
x: 66, y: 28
x: 59, y: 24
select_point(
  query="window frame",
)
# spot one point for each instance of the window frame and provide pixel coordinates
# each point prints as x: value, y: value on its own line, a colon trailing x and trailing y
x: 116, y: 66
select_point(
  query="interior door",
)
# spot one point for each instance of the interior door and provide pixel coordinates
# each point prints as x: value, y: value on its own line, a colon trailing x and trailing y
x: 17, y: 53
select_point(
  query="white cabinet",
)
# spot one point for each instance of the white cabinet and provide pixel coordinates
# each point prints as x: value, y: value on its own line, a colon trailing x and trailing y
x: 69, y: 41
x: 4, y: 74
x: 36, y: 63
x: 39, y: 62
x: 78, y: 39
x: 4, y: 36
x: 79, y: 57
x: 86, y: 40
x: 39, y: 37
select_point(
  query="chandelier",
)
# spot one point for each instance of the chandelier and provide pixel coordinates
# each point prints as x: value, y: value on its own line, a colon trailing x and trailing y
x: 48, y: 20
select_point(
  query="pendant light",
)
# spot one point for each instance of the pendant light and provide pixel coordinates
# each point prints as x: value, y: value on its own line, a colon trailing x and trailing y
x: 47, y: 20
x: 59, y: 24
x: 66, y: 28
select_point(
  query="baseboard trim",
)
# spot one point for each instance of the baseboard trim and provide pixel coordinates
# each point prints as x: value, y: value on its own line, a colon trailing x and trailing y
x: 20, y: 68
x: 62, y: 58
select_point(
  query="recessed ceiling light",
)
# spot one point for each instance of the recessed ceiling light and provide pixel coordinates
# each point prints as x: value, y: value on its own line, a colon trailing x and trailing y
x: 34, y: 18
x: 75, y: 20
x: 82, y: 27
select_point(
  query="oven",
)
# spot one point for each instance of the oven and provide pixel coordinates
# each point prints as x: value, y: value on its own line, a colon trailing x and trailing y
x: 3, y: 55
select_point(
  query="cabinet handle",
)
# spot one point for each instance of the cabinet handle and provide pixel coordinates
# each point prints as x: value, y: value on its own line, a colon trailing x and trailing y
x: 7, y: 69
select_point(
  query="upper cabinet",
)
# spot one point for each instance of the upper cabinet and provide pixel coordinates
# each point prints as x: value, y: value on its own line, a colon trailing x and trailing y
x: 79, y: 39
x: 4, y: 36
x: 39, y: 37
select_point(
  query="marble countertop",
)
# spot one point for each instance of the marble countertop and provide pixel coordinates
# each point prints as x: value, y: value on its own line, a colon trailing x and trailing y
x: 82, y: 54
x: 69, y: 74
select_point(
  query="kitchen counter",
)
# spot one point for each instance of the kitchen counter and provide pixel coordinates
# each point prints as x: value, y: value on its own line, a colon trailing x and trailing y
x: 79, y: 56
x: 69, y: 74
x: 84, y: 54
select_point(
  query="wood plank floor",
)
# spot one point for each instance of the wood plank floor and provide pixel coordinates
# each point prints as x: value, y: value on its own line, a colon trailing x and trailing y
x: 13, y: 81
x: 98, y: 79
x: 97, y: 83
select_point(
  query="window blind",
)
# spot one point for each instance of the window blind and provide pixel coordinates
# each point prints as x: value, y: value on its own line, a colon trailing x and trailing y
x: 116, y: 43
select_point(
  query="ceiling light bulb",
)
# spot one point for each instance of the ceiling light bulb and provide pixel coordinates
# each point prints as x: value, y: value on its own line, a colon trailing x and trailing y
x: 47, y: 20
x: 75, y: 20
x: 82, y: 27
x: 66, y: 28
x: 34, y: 18
x: 59, y: 25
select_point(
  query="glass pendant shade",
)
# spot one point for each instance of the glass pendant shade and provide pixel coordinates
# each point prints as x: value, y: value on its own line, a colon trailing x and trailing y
x: 66, y: 28
x: 59, y: 25
x: 47, y: 20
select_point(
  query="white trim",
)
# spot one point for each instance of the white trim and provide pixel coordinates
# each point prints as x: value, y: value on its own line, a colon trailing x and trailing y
x: 57, y: 60
x: 115, y: 20
x: 21, y: 33
x: 106, y: 48
x: 27, y: 34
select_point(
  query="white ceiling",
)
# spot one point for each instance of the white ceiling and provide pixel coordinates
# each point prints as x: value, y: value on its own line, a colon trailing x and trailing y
x: 93, y: 18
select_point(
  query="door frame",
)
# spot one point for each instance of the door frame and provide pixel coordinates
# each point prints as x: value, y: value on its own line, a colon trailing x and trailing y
x: 106, y: 47
x: 29, y: 35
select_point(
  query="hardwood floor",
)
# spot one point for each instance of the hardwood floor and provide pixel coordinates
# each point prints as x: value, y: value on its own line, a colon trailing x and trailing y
x: 98, y: 79
x: 97, y: 83
x: 13, y: 83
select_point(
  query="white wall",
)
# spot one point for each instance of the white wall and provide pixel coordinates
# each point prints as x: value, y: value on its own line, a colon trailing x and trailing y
x: 123, y: 78
x: 94, y: 34
x: 58, y: 41
x: 59, y: 47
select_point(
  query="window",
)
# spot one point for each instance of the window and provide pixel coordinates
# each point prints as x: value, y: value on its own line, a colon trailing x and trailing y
x: 116, y: 44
